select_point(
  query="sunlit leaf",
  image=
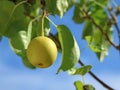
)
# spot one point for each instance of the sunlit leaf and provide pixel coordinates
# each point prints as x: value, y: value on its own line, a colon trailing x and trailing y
x: 29, y: 32
x: 19, y: 41
x: 96, y: 40
x: 19, y: 45
x: 80, y: 71
x: 59, y: 7
x: 105, y: 45
x: 93, y: 7
x: 46, y: 27
x: 62, y: 6
x: 78, y: 85
x: 95, y: 48
x: 70, y: 49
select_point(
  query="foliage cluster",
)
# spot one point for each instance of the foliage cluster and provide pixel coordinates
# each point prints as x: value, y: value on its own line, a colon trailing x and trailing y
x: 21, y: 21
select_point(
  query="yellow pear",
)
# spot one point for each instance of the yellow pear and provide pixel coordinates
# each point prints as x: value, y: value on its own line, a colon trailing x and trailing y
x: 42, y: 52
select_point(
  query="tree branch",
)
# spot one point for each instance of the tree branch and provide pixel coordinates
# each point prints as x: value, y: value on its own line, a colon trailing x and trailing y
x: 82, y: 64
x: 28, y: 15
x: 101, y: 30
x: 96, y: 78
x: 114, y: 18
x: 43, y: 3
x: 56, y: 40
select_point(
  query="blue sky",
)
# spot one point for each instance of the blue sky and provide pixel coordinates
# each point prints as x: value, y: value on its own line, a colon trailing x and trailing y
x: 15, y: 76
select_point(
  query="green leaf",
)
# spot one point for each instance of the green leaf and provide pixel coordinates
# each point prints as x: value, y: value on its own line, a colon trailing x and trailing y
x: 78, y: 15
x: 26, y: 61
x: 5, y: 10
x: 95, y: 48
x: 0, y: 37
x: 59, y: 7
x: 71, y: 3
x: 92, y: 7
x: 29, y: 32
x: 28, y: 64
x: 70, y: 49
x: 83, y: 70
x: 78, y: 85
x: 88, y: 30
x: 88, y: 87
x: 80, y: 71
x: 100, y: 17
x: 46, y: 27
x: 105, y: 45
x: 19, y: 41
x: 96, y: 40
x: 51, y: 7
x: 19, y: 45
x: 99, y: 4
x: 12, y: 18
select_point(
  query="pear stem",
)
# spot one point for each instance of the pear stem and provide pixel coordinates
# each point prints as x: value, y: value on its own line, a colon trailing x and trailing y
x: 83, y: 80
x: 43, y: 23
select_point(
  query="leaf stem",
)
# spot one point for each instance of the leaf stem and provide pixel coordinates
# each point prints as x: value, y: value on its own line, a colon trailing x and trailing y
x: 35, y: 18
x: 115, y: 24
x: 83, y: 80
x: 101, y: 30
x: 51, y: 22
x: 43, y: 23
x: 29, y: 30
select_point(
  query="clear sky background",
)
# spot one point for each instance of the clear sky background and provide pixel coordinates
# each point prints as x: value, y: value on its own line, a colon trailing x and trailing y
x: 15, y: 76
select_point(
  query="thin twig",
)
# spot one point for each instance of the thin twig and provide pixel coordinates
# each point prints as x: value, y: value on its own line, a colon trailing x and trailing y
x: 115, y: 24
x: 56, y: 40
x: 118, y: 31
x: 28, y: 15
x: 91, y: 73
x: 101, y: 30
x: 81, y: 63
x: 96, y: 78
x: 43, y: 4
